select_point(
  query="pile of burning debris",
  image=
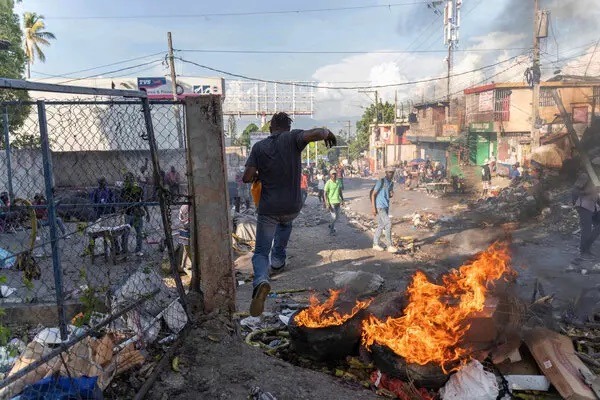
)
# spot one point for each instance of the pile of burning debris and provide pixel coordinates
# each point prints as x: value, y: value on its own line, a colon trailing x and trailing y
x: 459, y: 337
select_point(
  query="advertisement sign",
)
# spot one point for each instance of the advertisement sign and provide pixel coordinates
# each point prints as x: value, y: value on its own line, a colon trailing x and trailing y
x: 481, y: 127
x: 160, y: 87
x: 486, y: 101
x: 450, y: 130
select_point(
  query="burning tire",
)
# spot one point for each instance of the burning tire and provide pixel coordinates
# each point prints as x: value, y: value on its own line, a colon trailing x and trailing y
x: 328, y: 343
x: 430, y: 376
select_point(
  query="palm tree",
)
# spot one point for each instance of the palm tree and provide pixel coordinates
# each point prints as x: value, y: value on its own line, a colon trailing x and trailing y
x: 35, y: 36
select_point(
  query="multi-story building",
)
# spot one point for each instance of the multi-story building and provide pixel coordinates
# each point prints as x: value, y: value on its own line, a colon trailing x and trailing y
x: 499, y: 115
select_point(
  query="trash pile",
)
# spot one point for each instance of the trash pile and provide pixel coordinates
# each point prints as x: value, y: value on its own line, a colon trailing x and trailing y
x: 512, y: 204
x: 100, y: 347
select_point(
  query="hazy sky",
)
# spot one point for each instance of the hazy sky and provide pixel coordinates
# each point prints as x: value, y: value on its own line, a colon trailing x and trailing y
x: 486, y: 24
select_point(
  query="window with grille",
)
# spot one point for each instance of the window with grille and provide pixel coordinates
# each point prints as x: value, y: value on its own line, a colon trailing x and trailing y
x: 546, y: 99
x: 502, y: 104
x: 596, y: 94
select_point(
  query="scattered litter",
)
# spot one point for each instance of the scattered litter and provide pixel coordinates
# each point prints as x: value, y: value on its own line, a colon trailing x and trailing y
x: 528, y: 382
x: 6, y: 291
x: 7, y: 259
x: 257, y: 394
x: 471, y: 382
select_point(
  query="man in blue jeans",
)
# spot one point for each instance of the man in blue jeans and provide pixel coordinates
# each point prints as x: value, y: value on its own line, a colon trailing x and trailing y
x: 380, y: 201
x: 276, y: 161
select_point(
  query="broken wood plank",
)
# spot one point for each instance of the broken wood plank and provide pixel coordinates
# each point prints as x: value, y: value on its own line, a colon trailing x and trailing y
x: 555, y: 355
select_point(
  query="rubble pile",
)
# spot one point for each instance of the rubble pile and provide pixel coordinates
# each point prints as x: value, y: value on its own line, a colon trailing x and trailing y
x: 94, y: 359
x: 512, y: 204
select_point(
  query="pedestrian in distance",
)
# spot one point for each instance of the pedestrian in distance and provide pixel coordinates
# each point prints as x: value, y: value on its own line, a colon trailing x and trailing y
x: 134, y: 209
x: 486, y: 178
x: 277, y: 162
x: 321, y: 187
x: 380, y: 196
x: 304, y: 185
x: 173, y: 179
x: 334, y: 199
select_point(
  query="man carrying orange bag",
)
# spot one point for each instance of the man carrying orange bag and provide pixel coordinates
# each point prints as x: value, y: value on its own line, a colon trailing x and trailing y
x: 277, y: 162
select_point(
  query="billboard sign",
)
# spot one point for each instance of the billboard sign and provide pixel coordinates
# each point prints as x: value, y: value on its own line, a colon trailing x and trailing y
x: 486, y: 101
x: 158, y: 88
x: 481, y: 127
x: 161, y: 87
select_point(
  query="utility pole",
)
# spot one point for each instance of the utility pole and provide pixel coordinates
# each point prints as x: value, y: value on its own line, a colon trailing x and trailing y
x: 174, y: 89
x: 451, y: 37
x: 395, y: 133
x: 376, y: 121
x: 535, y: 101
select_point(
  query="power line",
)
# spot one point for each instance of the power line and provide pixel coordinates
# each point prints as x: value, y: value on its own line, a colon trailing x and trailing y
x: 112, y: 72
x: 341, y: 87
x: 246, y: 13
x: 238, y: 51
x: 66, y: 75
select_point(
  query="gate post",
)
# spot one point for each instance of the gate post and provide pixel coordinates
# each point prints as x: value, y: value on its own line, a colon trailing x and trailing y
x: 49, y: 183
x: 213, y: 274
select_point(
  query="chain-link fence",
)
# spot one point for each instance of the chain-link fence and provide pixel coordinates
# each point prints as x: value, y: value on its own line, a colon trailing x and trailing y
x: 91, y: 291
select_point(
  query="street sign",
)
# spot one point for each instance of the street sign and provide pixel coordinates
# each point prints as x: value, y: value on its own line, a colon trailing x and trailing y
x: 481, y: 127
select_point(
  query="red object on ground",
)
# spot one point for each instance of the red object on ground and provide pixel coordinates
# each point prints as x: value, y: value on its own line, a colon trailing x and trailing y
x: 398, y: 387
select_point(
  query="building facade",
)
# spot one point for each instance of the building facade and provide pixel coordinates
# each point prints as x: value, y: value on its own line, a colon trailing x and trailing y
x: 499, y: 116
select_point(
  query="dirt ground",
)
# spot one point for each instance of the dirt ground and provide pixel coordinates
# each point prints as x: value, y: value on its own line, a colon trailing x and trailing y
x: 216, y: 364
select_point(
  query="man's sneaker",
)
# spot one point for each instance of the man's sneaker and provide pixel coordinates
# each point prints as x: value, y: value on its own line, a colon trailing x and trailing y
x: 587, y: 257
x: 259, y: 296
x: 378, y: 247
x: 278, y: 270
x: 392, y: 249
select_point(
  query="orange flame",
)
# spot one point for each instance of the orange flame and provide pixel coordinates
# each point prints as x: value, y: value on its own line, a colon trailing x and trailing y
x: 434, y: 321
x: 322, y: 315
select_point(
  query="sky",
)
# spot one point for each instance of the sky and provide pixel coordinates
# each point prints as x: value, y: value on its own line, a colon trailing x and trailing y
x: 87, y: 38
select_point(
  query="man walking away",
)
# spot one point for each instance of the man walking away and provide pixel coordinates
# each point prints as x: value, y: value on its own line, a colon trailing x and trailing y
x: 380, y: 201
x: 321, y: 187
x: 333, y: 199
x: 133, y: 195
x: 277, y: 162
x: 585, y: 197
x: 486, y: 178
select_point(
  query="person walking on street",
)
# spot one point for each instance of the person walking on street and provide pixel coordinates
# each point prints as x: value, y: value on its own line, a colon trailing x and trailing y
x: 304, y: 186
x: 586, y: 202
x: 333, y: 199
x: 321, y: 187
x: 381, y: 194
x: 133, y: 195
x: 277, y: 162
x: 103, y: 198
x: 486, y: 178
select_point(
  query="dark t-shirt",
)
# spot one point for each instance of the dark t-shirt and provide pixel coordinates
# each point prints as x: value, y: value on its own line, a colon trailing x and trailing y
x: 279, y: 164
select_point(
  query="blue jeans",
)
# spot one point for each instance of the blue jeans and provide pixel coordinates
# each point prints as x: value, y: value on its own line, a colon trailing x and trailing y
x: 384, y: 224
x: 137, y: 223
x: 304, y: 195
x: 272, y: 235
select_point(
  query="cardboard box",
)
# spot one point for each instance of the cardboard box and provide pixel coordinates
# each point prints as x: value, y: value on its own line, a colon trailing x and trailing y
x: 555, y: 355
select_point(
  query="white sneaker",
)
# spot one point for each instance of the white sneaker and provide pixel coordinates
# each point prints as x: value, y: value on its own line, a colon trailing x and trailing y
x: 392, y: 249
x: 378, y: 247
x: 139, y: 254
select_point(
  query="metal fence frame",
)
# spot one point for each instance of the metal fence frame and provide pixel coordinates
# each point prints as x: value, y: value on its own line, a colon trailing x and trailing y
x: 164, y: 197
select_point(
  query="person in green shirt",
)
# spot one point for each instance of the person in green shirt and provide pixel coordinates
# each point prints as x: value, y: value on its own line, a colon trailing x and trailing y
x: 333, y: 198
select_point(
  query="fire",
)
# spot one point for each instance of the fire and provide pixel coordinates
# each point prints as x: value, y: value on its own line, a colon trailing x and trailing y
x: 323, y: 315
x: 435, y: 319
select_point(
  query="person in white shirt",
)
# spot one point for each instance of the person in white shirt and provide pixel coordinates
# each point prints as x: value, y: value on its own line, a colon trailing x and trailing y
x: 321, y: 187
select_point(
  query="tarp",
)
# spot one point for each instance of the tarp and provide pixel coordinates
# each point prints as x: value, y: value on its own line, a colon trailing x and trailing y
x: 549, y: 156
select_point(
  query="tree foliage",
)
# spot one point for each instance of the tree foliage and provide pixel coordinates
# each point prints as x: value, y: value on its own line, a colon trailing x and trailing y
x: 361, y: 141
x: 244, y: 139
x: 35, y: 37
x: 12, y: 65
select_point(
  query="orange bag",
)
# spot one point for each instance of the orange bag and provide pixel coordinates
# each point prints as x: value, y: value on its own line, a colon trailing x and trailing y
x: 255, y: 190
